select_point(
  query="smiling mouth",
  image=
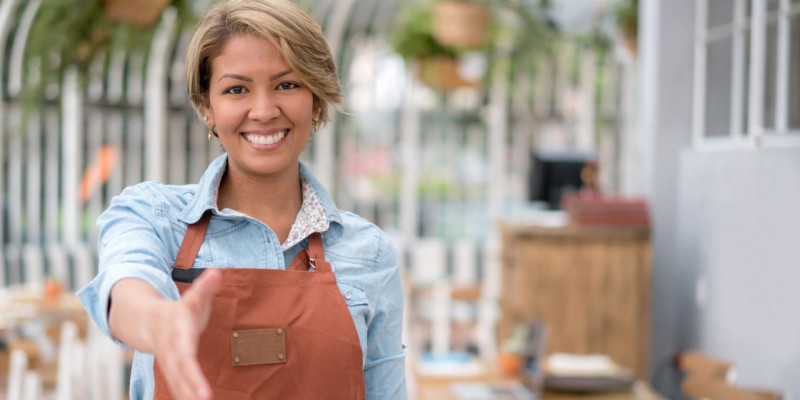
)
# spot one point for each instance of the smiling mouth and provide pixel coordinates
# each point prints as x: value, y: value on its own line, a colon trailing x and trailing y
x: 266, y: 139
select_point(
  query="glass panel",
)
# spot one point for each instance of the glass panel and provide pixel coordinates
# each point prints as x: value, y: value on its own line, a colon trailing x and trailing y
x: 773, y: 5
x: 720, y: 12
x: 718, y: 89
x: 794, y: 73
x: 746, y: 84
x: 770, y: 74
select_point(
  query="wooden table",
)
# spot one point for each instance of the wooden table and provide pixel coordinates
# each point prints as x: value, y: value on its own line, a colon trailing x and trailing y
x: 20, y: 304
x: 27, y: 309
x: 440, y: 388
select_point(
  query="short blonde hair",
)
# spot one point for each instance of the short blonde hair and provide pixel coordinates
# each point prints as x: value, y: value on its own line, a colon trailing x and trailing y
x: 284, y: 23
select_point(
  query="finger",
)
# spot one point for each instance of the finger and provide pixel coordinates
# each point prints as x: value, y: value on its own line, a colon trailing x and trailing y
x: 187, y: 380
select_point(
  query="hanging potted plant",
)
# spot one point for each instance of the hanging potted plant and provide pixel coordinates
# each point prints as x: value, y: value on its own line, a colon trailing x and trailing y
x: 139, y: 12
x: 627, y: 16
x: 75, y: 33
x: 461, y: 23
x: 435, y: 64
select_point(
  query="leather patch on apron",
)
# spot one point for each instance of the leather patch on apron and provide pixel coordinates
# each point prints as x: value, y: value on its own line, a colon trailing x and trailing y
x: 258, y: 346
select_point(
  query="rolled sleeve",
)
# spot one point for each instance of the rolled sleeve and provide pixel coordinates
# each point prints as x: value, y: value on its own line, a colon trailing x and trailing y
x: 384, y: 370
x: 132, y: 244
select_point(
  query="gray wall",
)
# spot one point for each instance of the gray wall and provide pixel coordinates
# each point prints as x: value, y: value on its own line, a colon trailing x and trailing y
x: 725, y: 239
x: 737, y: 226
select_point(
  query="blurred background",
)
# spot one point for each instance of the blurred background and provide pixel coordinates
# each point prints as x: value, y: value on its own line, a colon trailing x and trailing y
x: 561, y: 177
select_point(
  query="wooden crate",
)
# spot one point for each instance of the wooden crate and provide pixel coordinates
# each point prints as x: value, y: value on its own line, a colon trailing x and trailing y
x: 590, y: 285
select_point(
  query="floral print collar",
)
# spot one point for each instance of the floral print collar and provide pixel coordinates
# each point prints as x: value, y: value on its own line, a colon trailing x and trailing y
x: 310, y: 219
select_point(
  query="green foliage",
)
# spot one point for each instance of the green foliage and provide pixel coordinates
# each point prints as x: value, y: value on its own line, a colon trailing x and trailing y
x: 76, y: 33
x: 413, y: 38
x: 627, y: 15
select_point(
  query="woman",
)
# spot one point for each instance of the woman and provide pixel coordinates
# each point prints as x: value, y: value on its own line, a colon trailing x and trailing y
x: 298, y: 300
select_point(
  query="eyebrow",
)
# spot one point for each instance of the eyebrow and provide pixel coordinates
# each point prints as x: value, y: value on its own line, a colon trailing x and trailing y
x: 248, y: 79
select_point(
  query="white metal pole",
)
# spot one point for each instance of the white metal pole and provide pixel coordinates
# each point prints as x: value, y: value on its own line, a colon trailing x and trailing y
x: 155, y: 93
x: 72, y: 156
x: 409, y: 130
x: 324, y: 141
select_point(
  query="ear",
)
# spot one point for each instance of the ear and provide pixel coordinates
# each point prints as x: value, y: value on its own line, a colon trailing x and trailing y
x: 208, y: 114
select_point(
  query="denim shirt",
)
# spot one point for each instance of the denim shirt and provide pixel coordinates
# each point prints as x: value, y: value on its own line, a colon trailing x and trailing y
x: 142, y: 229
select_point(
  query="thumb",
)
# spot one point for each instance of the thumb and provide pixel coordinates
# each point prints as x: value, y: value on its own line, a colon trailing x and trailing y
x: 203, y: 289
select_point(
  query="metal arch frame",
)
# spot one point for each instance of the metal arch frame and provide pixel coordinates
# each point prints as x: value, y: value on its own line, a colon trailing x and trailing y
x: 7, y: 8
x: 324, y: 140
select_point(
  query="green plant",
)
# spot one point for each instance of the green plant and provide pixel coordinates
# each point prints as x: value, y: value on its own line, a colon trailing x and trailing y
x: 77, y: 33
x: 413, y: 38
x: 627, y: 16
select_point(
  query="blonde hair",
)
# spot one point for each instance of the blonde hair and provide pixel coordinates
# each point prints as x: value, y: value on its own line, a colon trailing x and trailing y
x: 284, y: 23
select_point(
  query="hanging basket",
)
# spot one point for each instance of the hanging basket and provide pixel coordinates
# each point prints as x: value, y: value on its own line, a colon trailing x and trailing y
x: 441, y: 73
x: 461, y: 24
x: 139, y: 12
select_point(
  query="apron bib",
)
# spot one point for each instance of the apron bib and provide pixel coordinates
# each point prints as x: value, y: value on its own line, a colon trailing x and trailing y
x: 274, y: 334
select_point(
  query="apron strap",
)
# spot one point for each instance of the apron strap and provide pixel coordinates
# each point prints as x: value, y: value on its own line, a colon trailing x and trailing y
x: 314, y: 255
x: 192, y: 241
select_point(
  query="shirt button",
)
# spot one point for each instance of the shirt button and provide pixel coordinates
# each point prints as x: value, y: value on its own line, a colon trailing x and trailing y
x: 281, y: 357
x: 236, y: 360
x: 348, y: 294
x: 235, y: 334
x: 279, y: 331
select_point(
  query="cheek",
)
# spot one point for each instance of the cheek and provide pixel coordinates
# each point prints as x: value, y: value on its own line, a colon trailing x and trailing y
x: 227, y: 115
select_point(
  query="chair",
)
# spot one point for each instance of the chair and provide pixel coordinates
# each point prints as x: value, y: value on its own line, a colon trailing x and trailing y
x: 23, y: 383
x: 709, y: 378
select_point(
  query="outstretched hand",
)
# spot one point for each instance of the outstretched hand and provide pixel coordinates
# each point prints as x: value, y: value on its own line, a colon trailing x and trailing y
x: 175, y: 342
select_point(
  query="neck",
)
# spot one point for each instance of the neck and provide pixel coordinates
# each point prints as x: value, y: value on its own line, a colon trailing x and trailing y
x: 273, y: 200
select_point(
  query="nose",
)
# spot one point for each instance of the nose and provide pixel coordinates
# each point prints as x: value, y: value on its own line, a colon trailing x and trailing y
x: 264, y: 107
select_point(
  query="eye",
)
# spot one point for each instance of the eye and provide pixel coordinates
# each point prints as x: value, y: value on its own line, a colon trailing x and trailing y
x: 287, y: 85
x: 235, y: 90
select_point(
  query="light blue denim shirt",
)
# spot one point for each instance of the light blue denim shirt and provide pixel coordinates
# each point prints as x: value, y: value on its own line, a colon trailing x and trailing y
x: 142, y: 229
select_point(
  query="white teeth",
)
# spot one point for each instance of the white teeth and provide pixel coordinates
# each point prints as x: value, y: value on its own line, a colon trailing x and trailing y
x: 272, y: 139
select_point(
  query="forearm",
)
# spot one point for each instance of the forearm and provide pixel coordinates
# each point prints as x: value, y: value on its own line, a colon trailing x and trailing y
x: 136, y: 307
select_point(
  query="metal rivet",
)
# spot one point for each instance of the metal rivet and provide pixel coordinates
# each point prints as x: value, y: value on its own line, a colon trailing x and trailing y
x: 235, y: 334
x: 348, y: 294
x: 279, y: 331
x: 281, y: 357
x: 236, y: 360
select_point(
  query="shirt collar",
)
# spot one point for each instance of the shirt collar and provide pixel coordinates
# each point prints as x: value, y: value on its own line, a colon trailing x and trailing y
x: 205, y: 198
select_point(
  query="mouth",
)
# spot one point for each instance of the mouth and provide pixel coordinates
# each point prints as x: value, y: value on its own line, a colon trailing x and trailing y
x: 265, y: 139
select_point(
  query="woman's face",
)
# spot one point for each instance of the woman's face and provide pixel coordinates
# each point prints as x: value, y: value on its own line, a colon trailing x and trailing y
x: 261, y: 111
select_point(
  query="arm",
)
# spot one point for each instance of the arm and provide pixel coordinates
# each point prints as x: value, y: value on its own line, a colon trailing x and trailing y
x: 384, y: 371
x: 134, y: 276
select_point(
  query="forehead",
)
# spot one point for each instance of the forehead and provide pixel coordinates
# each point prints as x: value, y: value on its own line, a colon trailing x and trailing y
x: 247, y: 53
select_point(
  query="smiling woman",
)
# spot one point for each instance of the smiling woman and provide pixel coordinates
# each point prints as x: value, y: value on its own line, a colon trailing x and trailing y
x: 298, y: 299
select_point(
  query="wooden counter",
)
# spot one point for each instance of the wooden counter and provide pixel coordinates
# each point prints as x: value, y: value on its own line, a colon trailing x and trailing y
x: 590, y: 285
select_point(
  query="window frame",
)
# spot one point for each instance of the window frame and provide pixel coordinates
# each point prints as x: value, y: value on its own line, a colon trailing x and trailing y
x: 755, y: 134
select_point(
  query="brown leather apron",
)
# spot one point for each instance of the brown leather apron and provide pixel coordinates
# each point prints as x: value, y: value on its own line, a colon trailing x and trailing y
x: 274, y: 334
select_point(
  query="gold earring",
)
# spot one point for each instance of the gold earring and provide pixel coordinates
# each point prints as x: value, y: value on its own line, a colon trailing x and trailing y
x: 210, y: 132
x: 314, y: 124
